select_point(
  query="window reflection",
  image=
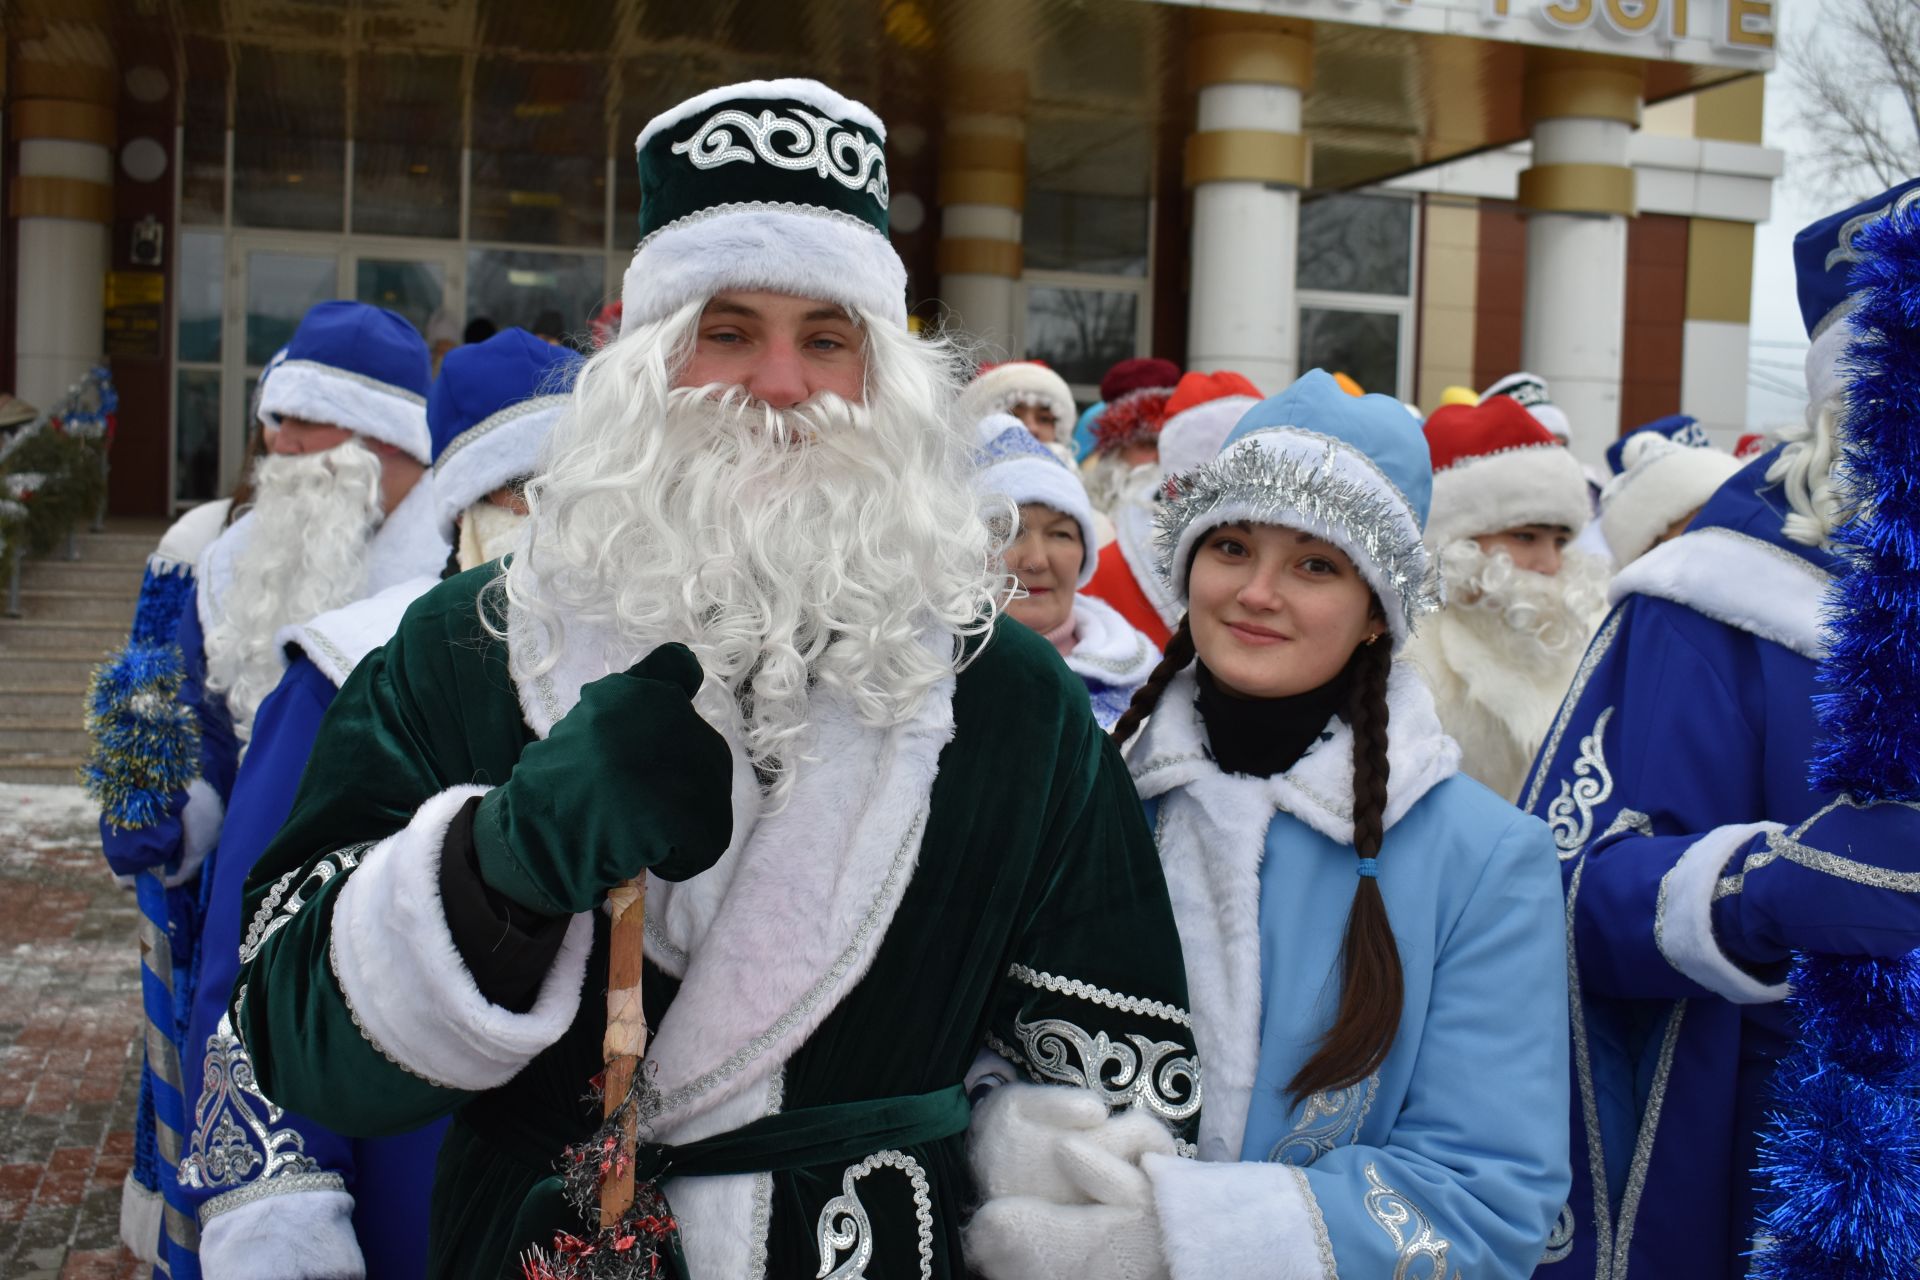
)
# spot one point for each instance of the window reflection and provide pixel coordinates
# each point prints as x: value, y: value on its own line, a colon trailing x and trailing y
x: 280, y: 289
x: 1356, y: 244
x: 510, y: 287
x: 201, y: 274
x: 196, y: 439
x: 1364, y: 345
x: 406, y: 155
x: 203, y: 132
x: 289, y: 148
x: 539, y: 173
x: 1080, y: 332
x: 412, y: 289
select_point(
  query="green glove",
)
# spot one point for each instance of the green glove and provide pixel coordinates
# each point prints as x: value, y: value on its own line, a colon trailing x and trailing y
x: 631, y: 780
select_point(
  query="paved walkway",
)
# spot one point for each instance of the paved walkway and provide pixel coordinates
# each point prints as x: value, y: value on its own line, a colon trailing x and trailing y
x: 69, y: 1063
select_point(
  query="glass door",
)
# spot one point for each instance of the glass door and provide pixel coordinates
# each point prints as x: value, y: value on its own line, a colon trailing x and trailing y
x: 423, y: 282
x: 274, y: 281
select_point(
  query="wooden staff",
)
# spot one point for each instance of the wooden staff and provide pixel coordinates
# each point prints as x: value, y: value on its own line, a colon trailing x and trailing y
x: 626, y: 1038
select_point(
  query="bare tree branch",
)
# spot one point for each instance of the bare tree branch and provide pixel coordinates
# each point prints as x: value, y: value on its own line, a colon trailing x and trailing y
x: 1860, y: 77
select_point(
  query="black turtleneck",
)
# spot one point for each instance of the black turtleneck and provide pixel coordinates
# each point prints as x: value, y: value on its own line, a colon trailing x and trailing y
x: 1264, y: 736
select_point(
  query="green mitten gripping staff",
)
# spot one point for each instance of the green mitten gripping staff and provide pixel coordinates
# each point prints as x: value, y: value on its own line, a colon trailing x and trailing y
x: 630, y: 780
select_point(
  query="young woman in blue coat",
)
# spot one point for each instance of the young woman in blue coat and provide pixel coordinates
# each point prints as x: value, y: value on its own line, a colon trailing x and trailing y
x: 1374, y: 942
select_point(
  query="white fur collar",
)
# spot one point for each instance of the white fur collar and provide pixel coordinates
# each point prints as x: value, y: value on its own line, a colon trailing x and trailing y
x: 1133, y: 530
x: 1213, y: 836
x: 770, y: 940
x: 408, y: 544
x: 337, y: 640
x: 1737, y: 579
x: 1106, y: 646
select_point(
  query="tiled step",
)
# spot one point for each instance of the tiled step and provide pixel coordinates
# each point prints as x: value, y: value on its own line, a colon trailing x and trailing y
x: 43, y: 704
x: 43, y: 737
x: 26, y: 637
x: 37, y: 671
x: 48, y: 769
x: 78, y: 605
x: 81, y: 575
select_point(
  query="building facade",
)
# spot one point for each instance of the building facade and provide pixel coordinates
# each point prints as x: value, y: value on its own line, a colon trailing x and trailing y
x: 1420, y: 193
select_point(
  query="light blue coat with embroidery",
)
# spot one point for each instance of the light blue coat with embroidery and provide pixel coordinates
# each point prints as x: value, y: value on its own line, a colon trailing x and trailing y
x: 1452, y: 1158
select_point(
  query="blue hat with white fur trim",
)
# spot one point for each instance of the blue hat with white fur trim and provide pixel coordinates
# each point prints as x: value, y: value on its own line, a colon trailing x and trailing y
x: 490, y: 412
x: 1012, y: 464
x: 360, y: 367
x: 1824, y: 255
x: 1354, y: 470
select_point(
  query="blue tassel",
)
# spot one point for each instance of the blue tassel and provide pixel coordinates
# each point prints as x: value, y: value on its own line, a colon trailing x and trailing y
x: 146, y: 746
x: 1842, y: 1148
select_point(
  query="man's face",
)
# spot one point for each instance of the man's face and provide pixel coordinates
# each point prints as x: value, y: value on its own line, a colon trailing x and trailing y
x: 300, y: 435
x: 1537, y: 548
x: 1040, y: 420
x: 783, y: 350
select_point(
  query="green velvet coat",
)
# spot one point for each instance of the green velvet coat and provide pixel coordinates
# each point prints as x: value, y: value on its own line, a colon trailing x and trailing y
x: 1035, y: 922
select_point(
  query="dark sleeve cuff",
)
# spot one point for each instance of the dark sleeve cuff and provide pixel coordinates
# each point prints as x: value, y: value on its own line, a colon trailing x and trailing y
x: 507, y: 948
x: 1726, y: 927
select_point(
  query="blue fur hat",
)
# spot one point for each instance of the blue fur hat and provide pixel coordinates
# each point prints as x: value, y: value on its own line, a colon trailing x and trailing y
x: 490, y: 412
x: 1354, y: 470
x: 360, y: 367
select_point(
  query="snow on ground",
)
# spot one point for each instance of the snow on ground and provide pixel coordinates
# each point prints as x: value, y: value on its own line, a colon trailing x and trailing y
x: 42, y: 817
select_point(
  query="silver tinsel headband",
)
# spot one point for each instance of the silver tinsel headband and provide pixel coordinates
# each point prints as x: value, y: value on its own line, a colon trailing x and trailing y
x: 1310, y: 493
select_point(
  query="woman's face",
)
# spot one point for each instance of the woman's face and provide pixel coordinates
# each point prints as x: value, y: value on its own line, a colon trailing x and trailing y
x: 1274, y: 611
x: 1045, y: 555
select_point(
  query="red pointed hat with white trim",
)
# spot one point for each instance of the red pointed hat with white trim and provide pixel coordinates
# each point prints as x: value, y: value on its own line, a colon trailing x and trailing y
x: 1496, y: 467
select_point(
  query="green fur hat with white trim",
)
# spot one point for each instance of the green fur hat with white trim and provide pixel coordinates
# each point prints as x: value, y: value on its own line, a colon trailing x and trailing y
x: 772, y: 184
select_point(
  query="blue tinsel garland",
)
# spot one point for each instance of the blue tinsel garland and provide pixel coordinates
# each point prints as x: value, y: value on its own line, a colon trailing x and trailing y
x: 146, y: 746
x: 1842, y: 1151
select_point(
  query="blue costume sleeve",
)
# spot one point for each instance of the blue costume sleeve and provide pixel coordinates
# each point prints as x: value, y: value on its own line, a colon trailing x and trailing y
x: 287, y: 1181
x: 1476, y: 1168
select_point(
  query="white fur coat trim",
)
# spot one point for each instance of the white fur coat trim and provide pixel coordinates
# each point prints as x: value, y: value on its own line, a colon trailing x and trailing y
x: 1683, y: 917
x: 1107, y: 647
x: 403, y: 978
x: 189, y: 536
x: 786, y: 248
x: 801, y: 900
x: 296, y: 1235
x: 1133, y: 529
x: 337, y: 640
x: 1213, y: 838
x: 321, y: 393
x: 1237, y: 1221
x: 141, y: 1212
x: 1750, y: 585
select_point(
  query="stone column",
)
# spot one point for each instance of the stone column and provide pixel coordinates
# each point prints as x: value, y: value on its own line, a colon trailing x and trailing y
x: 1246, y: 163
x: 1579, y: 192
x: 983, y: 191
x: 62, y: 116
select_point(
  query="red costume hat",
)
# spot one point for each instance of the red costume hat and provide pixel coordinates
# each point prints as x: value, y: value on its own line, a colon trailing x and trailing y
x: 1136, y: 394
x: 1496, y: 467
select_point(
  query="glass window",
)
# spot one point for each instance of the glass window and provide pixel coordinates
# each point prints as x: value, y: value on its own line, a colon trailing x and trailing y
x: 200, y: 277
x: 1357, y: 244
x: 510, y: 287
x: 1081, y: 332
x: 539, y: 165
x: 406, y: 151
x: 1068, y: 231
x: 413, y: 289
x: 1364, y: 345
x: 280, y: 289
x: 289, y: 142
x: 196, y: 437
x: 203, y: 132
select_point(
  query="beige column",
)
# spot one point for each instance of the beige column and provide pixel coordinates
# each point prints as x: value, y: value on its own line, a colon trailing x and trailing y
x: 62, y: 116
x: 1583, y: 109
x: 983, y: 192
x: 1246, y: 162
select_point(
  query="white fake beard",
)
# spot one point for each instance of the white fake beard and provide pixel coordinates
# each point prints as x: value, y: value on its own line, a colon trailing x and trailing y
x: 1112, y: 481
x: 1538, y: 623
x: 825, y: 543
x: 487, y: 532
x: 314, y: 516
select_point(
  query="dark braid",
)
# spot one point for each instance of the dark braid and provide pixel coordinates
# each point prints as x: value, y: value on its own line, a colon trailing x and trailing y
x: 1179, y: 655
x: 1372, y: 986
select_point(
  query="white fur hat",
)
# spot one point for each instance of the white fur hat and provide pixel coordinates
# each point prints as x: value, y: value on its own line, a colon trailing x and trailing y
x: 1013, y: 465
x: 1662, y: 482
x: 1002, y: 388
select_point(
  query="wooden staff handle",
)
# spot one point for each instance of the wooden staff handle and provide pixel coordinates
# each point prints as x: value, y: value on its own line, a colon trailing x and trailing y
x: 626, y: 1038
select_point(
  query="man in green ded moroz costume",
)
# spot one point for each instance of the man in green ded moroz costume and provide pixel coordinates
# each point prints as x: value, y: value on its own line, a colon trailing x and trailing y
x: 747, y: 647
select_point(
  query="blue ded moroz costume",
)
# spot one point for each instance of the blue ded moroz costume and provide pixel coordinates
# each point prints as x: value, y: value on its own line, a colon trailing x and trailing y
x: 1696, y: 853
x: 275, y: 1193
